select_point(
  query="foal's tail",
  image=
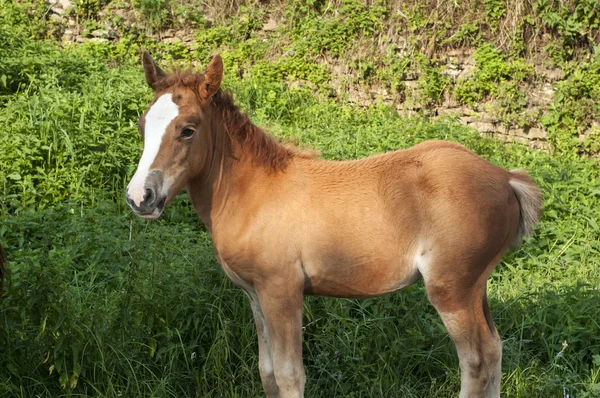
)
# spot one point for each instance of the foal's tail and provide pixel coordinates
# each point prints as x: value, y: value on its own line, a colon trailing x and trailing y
x: 529, y: 197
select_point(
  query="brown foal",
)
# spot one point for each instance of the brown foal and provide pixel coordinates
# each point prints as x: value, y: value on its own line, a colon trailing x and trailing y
x: 285, y: 224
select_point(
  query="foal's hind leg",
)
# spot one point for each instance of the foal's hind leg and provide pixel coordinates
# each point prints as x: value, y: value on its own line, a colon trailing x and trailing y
x: 493, y: 389
x: 468, y: 320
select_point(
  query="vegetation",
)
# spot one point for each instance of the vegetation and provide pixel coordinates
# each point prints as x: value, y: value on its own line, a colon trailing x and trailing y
x: 102, y: 303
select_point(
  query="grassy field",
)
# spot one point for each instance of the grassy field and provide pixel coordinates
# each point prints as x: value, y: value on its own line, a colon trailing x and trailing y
x: 101, y: 303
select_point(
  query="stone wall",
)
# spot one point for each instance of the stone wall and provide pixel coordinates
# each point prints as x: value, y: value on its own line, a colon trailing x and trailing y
x: 457, y: 65
x: 484, y: 117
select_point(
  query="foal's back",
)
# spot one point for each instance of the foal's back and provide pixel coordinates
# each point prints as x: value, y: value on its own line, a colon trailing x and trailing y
x: 374, y: 225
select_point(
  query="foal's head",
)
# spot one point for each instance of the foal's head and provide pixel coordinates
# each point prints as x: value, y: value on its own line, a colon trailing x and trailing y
x: 177, y: 123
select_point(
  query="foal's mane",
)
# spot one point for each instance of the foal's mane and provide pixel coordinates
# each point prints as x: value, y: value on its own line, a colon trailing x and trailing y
x: 264, y: 149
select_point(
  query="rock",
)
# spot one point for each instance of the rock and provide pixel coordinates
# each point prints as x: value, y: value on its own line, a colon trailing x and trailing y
x: 449, y: 112
x: 469, y: 119
x: 540, y: 96
x: 168, y: 34
x: 271, y: 25
x: 468, y: 60
x: 99, y: 33
x: 516, y: 132
x: 184, y: 36
x: 541, y: 145
x: 548, y: 90
x: 483, y: 127
x: 412, y: 84
x: 536, y: 133
x: 450, y: 102
x: 456, y: 53
x: 465, y: 72
x: 67, y: 36
x: 59, y: 6
x: 452, y: 72
x: 518, y: 139
x: 98, y: 40
x: 552, y: 75
x: 64, y: 4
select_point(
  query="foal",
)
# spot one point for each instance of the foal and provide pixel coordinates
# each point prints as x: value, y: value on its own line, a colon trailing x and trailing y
x: 285, y: 224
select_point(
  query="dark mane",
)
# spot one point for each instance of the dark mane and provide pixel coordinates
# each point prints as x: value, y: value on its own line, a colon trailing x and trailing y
x: 264, y: 149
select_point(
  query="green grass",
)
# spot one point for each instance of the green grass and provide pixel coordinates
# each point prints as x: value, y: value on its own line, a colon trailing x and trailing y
x: 102, y: 303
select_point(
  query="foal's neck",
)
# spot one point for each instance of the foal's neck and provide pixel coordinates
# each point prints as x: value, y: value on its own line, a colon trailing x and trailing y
x: 241, y: 154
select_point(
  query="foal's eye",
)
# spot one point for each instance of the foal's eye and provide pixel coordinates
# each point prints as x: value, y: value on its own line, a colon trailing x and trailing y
x: 187, y: 132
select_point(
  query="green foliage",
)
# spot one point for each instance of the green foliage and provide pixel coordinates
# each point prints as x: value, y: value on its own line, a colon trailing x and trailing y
x: 214, y: 37
x: 433, y: 82
x: 333, y: 33
x: 292, y: 68
x: 57, y: 142
x: 573, y: 23
x: 497, y: 78
x: 88, y: 9
x: 27, y: 18
x: 103, y: 305
x: 576, y: 105
x: 394, y: 70
x: 156, y: 12
x: 466, y: 35
x: 495, y: 10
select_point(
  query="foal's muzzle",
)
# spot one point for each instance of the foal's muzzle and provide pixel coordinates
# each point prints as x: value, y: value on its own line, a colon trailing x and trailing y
x: 154, y: 200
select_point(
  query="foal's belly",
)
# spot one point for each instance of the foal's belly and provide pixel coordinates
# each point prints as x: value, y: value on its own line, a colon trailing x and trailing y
x: 347, y: 274
x: 359, y: 248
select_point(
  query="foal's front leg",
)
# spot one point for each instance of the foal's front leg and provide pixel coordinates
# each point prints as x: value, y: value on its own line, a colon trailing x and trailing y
x: 265, y: 358
x: 281, y: 306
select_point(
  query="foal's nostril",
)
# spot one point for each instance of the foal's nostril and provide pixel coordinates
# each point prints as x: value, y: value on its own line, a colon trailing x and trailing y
x: 149, y: 196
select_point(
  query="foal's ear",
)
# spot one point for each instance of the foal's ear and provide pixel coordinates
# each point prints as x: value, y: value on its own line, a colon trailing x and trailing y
x: 212, y: 77
x: 151, y: 70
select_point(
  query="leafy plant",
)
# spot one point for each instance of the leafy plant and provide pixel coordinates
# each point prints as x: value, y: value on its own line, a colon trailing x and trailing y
x: 333, y: 33
x: 433, y: 82
x: 572, y: 22
x: 156, y: 12
x: 575, y: 106
x: 495, y: 77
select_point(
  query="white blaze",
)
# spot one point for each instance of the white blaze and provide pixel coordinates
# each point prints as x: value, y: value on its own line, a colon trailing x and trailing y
x: 158, y: 118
